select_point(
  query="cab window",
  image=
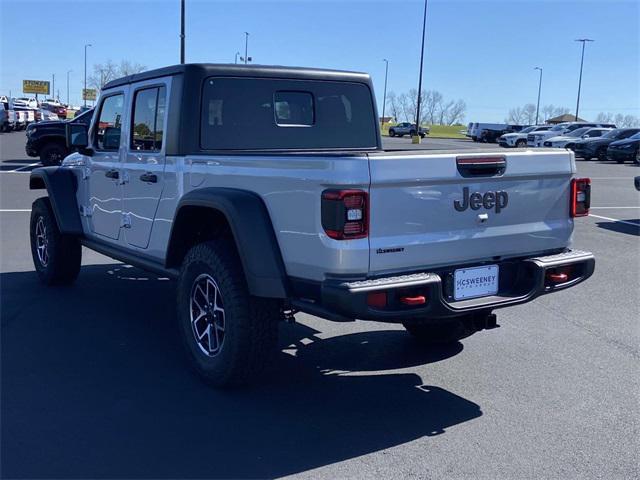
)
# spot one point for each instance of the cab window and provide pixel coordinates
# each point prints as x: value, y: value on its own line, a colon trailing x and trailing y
x: 109, y: 123
x: 148, y: 119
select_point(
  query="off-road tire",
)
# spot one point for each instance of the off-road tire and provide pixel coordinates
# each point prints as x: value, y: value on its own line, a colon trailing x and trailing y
x: 63, y: 252
x: 437, y: 331
x: 392, y: 133
x: 250, y: 323
x: 52, y: 154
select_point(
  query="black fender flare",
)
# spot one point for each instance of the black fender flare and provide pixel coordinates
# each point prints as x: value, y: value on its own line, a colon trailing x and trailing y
x: 251, y: 226
x: 61, y: 186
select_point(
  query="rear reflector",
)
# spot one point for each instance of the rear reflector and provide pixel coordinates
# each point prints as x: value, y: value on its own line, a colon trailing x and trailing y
x: 580, y: 197
x: 416, y: 300
x: 377, y: 299
x: 345, y: 214
x: 558, y: 277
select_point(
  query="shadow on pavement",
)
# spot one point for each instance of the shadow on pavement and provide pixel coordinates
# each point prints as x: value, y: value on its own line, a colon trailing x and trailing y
x: 622, y: 227
x: 94, y: 385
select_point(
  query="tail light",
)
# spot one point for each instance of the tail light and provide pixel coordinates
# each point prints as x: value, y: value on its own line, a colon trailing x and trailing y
x: 345, y: 214
x: 580, y: 197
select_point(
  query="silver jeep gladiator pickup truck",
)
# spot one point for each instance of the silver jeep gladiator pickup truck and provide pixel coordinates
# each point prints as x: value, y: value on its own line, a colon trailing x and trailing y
x: 265, y: 191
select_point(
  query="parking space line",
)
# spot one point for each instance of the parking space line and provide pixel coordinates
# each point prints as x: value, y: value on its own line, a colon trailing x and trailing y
x: 611, y: 208
x: 15, y: 210
x: 615, y: 220
x: 26, y: 166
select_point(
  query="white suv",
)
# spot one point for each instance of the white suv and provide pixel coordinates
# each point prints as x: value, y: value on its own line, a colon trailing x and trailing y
x: 519, y: 139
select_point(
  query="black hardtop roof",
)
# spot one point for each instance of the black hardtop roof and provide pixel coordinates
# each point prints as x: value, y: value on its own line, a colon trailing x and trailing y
x: 210, y: 69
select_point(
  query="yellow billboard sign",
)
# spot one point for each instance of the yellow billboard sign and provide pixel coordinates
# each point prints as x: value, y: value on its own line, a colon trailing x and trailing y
x: 35, y: 86
x: 89, y: 94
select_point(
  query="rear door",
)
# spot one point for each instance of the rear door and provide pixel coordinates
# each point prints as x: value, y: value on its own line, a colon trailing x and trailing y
x: 145, y: 160
x: 430, y: 209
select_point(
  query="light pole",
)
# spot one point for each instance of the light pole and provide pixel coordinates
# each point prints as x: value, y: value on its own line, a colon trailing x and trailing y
x: 68, y: 72
x: 539, y: 89
x: 416, y: 139
x: 237, y: 53
x: 53, y: 86
x: 384, y: 96
x: 583, y: 40
x: 84, y: 91
x: 246, y: 46
x: 181, y: 31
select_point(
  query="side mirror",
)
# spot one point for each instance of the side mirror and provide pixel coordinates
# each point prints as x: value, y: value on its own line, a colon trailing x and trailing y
x: 77, y: 136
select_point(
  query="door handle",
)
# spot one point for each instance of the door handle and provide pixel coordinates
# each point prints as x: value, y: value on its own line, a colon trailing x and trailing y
x: 149, y: 177
x: 112, y: 174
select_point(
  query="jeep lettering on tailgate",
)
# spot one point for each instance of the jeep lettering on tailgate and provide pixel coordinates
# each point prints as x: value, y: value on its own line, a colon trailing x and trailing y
x: 497, y: 200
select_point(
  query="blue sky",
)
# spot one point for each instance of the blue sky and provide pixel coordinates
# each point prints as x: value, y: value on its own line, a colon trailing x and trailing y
x: 481, y: 51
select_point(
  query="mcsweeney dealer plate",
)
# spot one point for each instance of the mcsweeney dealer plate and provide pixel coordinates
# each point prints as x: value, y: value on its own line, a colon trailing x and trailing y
x: 475, y: 282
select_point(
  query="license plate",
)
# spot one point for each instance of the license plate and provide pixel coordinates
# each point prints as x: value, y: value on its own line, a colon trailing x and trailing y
x: 475, y: 282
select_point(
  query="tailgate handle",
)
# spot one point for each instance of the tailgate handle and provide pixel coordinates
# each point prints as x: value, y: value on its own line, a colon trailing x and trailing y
x: 481, y: 166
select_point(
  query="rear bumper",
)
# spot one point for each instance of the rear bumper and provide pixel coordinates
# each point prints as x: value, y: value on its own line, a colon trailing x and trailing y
x: 520, y: 281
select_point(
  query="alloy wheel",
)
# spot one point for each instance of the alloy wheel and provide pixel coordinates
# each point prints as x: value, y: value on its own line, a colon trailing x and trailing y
x: 42, y: 242
x: 207, y: 315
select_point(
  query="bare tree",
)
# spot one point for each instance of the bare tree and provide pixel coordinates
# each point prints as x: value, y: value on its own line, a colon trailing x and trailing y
x: 405, y: 107
x: 455, y: 114
x: 529, y: 113
x: 547, y: 111
x: 516, y: 116
x: 103, y: 73
x: 392, y: 105
x: 560, y: 111
x: 129, y: 68
x: 433, y: 103
x: 630, y: 121
x: 604, y: 117
x: 619, y: 120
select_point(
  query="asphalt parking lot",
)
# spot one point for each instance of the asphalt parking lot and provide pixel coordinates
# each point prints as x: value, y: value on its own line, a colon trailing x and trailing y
x: 93, y: 383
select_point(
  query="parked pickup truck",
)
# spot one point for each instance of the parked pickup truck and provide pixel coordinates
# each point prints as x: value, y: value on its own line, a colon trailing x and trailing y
x: 406, y: 128
x: 265, y: 191
x: 47, y: 139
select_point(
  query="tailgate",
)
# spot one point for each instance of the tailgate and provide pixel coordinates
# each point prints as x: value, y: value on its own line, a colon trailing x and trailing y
x: 441, y: 209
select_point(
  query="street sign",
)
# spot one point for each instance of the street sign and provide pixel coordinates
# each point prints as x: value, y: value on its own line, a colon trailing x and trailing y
x: 89, y: 94
x: 35, y: 86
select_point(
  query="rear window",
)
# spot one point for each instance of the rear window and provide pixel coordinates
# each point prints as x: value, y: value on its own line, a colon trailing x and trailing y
x: 275, y: 114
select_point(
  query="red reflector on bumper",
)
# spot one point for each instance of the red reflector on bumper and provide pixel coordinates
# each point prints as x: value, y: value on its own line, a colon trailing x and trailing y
x: 377, y: 299
x: 557, y: 277
x: 417, y: 300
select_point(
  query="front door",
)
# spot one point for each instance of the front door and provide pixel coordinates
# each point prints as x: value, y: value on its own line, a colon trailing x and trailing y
x: 104, y: 183
x: 144, y: 163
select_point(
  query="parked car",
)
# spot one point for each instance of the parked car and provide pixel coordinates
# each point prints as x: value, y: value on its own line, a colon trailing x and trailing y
x: 519, y: 139
x: 47, y: 140
x: 537, y: 139
x: 474, y: 130
x: 568, y: 140
x: 406, y: 128
x: 491, y: 135
x: 21, y: 119
x: 7, y: 118
x: 81, y: 110
x: 435, y: 241
x: 623, y: 150
x: 59, y: 110
x: 26, y: 102
x: 47, y: 115
x: 597, y: 147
